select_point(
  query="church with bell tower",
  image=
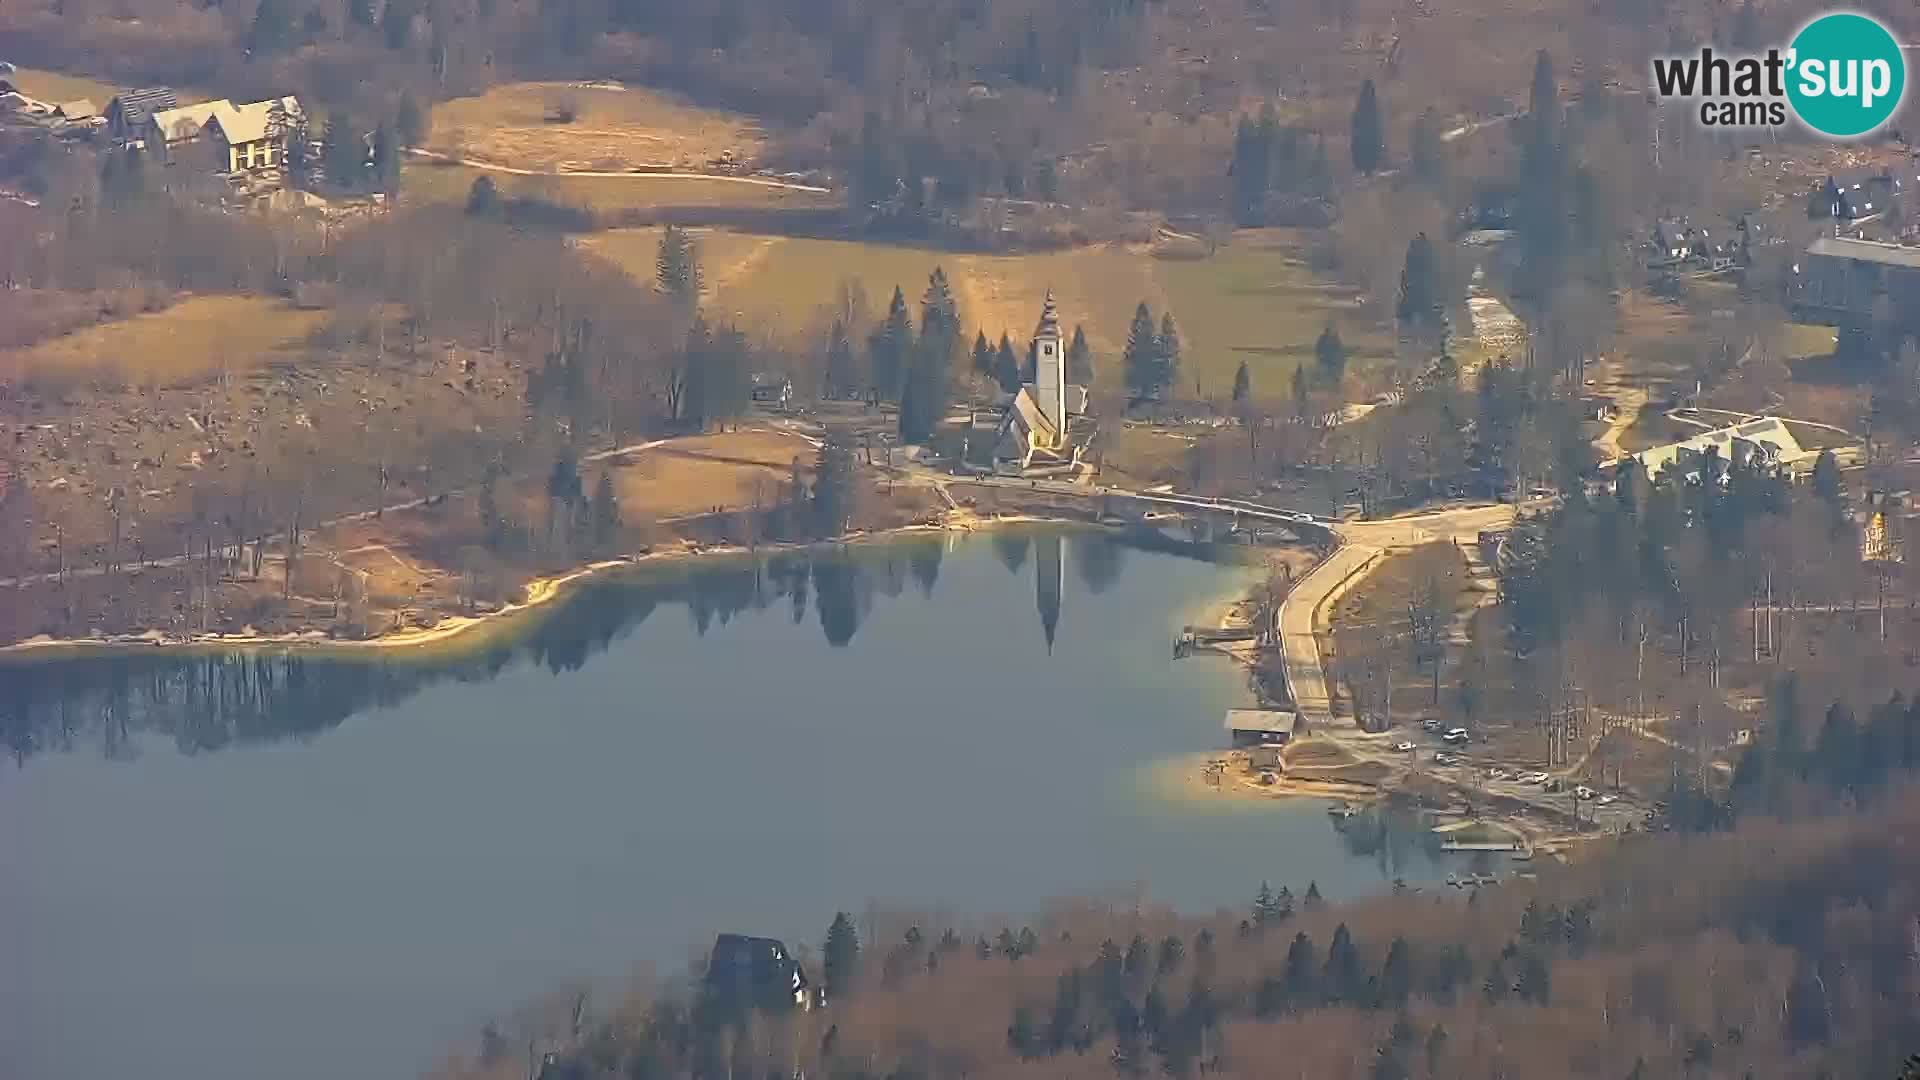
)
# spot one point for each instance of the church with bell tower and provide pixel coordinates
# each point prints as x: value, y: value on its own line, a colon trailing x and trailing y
x: 1037, y: 430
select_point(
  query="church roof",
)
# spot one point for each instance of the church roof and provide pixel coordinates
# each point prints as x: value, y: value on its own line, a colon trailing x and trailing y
x: 1049, y: 320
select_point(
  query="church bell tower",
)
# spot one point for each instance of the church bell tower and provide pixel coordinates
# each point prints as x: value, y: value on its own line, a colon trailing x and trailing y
x: 1050, y: 372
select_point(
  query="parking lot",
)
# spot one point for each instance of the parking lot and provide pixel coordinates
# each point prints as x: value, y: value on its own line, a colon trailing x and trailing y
x: 1458, y: 763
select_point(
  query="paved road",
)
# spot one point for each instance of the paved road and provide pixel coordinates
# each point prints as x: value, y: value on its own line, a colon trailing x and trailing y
x: 1365, y: 543
x: 1306, y: 676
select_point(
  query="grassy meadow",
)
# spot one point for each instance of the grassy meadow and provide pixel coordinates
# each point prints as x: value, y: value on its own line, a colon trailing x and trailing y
x: 191, y: 340
x: 1255, y: 300
x: 443, y: 182
x: 612, y: 128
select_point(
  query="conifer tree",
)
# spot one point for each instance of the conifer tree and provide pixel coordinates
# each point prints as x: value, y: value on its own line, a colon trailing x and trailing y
x: 1242, y: 384
x: 1166, y: 348
x: 833, y: 489
x: 840, y: 955
x: 1299, y: 971
x: 1313, y: 901
x: 1419, y: 309
x: 605, y: 513
x: 272, y: 29
x: 982, y: 354
x: 842, y: 381
x: 1080, y: 359
x: 360, y: 13
x: 677, y: 268
x: 1368, y: 132
x: 890, y: 348
x: 482, y: 198
x: 1340, y: 979
x: 411, y: 121
x: 1006, y: 368
x: 924, y: 400
x: 342, y: 154
x: 1330, y: 354
x: 1141, y: 359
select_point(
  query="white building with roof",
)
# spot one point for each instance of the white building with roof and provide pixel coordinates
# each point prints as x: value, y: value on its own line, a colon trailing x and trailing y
x: 246, y: 138
x: 1763, y: 443
x: 1036, y: 428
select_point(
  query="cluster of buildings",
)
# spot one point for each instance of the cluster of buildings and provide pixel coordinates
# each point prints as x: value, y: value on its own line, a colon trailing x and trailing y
x: 248, y: 143
x: 1679, y: 245
x: 1037, y: 430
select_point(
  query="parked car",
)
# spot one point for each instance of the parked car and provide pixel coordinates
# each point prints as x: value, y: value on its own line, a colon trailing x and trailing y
x: 1441, y: 757
x: 1431, y: 723
x: 1404, y: 747
x: 1537, y: 778
x: 1608, y: 800
x: 1455, y: 735
x: 1552, y: 784
x: 1583, y: 792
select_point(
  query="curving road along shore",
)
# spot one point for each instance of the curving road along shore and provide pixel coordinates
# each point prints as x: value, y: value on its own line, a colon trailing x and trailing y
x: 1364, y: 545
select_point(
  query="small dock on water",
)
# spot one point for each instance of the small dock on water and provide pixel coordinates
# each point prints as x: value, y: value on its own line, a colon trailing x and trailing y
x: 1194, y: 638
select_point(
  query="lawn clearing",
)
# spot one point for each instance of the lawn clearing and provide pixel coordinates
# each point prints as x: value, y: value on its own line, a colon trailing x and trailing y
x: 610, y: 129
x: 431, y: 181
x: 54, y: 87
x: 1254, y: 301
x: 692, y: 476
x: 191, y: 340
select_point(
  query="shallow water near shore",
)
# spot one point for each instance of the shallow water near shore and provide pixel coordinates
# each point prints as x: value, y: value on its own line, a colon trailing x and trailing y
x: 276, y: 864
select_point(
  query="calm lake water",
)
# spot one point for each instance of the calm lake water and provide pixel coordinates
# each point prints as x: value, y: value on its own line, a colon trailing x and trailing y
x: 262, y: 866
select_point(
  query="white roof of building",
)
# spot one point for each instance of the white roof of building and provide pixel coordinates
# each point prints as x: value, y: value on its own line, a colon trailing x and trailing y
x: 250, y: 122
x: 238, y: 123
x: 185, y: 122
x: 1768, y: 436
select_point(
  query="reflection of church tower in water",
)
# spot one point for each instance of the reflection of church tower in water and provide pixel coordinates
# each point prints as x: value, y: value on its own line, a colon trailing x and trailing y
x: 1049, y: 560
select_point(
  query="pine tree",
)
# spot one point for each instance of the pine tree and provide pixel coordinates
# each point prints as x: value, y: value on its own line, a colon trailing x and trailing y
x: 396, y: 22
x: 482, y: 198
x: 1006, y: 368
x: 411, y: 121
x: 840, y: 955
x: 1330, y: 354
x: 1299, y: 970
x: 1543, y: 102
x: 360, y: 13
x: 1826, y: 479
x: 1266, y: 908
x: 1079, y: 359
x: 272, y: 29
x: 677, y: 268
x: 1340, y: 979
x: 890, y: 348
x: 982, y: 354
x: 605, y: 513
x: 1419, y: 309
x: 1396, y: 975
x: 1166, y: 349
x: 1301, y: 396
x: 1141, y: 359
x: 924, y: 401
x: 1242, y: 384
x: 342, y: 154
x: 1428, y: 151
x: 386, y: 159
x: 833, y: 488
x: 1172, y: 951
x: 843, y: 381
x: 1369, y: 133
x: 1313, y: 901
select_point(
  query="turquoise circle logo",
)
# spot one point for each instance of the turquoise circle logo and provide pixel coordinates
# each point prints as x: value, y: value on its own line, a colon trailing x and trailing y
x: 1847, y: 75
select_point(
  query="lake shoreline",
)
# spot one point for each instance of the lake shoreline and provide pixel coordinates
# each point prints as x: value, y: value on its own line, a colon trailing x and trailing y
x: 539, y: 593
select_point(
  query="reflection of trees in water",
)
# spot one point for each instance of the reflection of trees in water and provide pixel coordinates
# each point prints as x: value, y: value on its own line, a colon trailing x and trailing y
x: 1097, y: 556
x: 1011, y: 546
x: 207, y: 702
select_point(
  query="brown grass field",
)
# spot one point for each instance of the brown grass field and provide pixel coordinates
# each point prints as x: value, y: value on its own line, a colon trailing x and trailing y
x: 1254, y: 300
x: 612, y: 129
x: 195, y: 338
x: 694, y: 475
x: 443, y: 182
